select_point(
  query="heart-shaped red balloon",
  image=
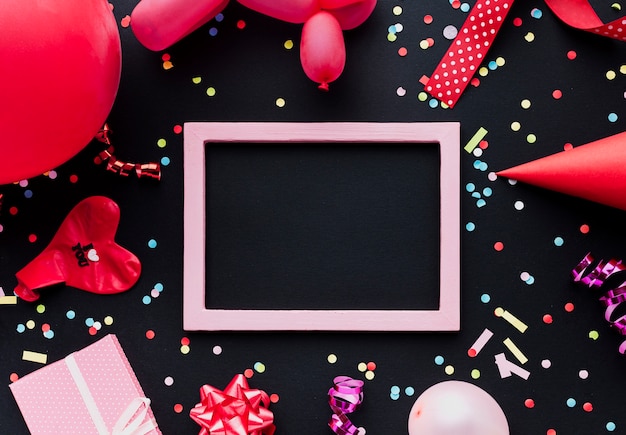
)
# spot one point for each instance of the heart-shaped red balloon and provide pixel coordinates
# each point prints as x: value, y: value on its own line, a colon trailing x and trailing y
x: 83, y: 254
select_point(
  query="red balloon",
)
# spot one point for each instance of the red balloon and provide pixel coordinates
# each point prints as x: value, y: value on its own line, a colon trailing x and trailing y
x: 157, y: 24
x: 292, y: 11
x: 62, y: 65
x: 322, y: 49
x: 349, y: 13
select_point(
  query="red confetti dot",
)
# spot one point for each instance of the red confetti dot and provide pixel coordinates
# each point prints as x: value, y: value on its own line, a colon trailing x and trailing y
x: 241, y: 24
x: 45, y: 327
x: 92, y: 330
x: 150, y: 334
x: 551, y: 432
x: 568, y: 146
x: 73, y: 178
x: 569, y: 307
x: 13, y: 377
x: 587, y: 406
x: 456, y: 4
x: 178, y: 129
x: 248, y: 373
x: 371, y: 366
x: 430, y: 41
x: 557, y: 94
x: 498, y: 246
x: 13, y: 211
x: 166, y: 57
x: 428, y: 19
x: 32, y: 238
x: 571, y: 55
x: 125, y: 22
x: 584, y: 228
x: 547, y: 318
x: 402, y: 51
x: 274, y: 398
x: 184, y: 341
x: 529, y: 403
x: 483, y: 144
x: 517, y: 21
x: 475, y: 82
x: 471, y: 352
x: 178, y: 408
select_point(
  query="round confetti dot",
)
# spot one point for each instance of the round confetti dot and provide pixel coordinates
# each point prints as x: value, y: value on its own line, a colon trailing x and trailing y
x: 210, y: 91
x: 569, y: 307
x: 475, y: 373
x: 391, y: 37
x: 450, y: 32
x: 165, y: 57
x: 159, y: 287
x: 524, y: 276
x: 146, y: 300
x: 280, y: 102
x: 169, y: 381
x: 439, y: 360
x: 259, y: 367
x: 13, y: 377
x: 154, y: 293
x: 610, y: 426
x: 20, y: 328
x: 584, y: 228
x: 196, y: 80
x: 546, y: 363
x: 498, y: 246
x: 422, y: 96
x: 394, y: 396
x: 394, y: 389
x: 471, y: 352
x: 49, y: 334
x: 498, y: 312
x: 178, y: 408
x: 248, y: 373
x: 483, y: 71
x: 371, y: 365
x: 529, y: 403
x: 571, y: 55
x: 571, y: 402
x: 73, y: 178
x: 92, y: 331
x: 558, y: 241
x: 610, y: 74
x: 492, y: 176
x: 165, y: 161
x: 217, y: 350
x: 547, y: 319
x: 477, y: 152
x: 594, y: 335
x: 332, y: 358
x: 612, y: 117
x: 97, y: 325
x: 409, y: 391
x: 551, y: 432
x: 288, y: 44
x: 525, y: 104
x: 89, y: 321
x: 52, y: 175
x: 150, y: 334
x: 161, y: 143
x: 185, y: 341
x: 70, y: 314
x: 536, y: 13
x: 108, y: 320
x: 41, y: 308
x: 449, y: 370
x: 401, y: 92
x: 28, y: 194
x: 428, y: 19
x: 369, y: 375
x: 184, y: 349
x: 362, y: 367
x: 557, y: 94
x: 423, y: 44
x: 274, y: 398
x: 30, y: 324
x: 152, y: 243
x: 517, y: 21
x: 583, y: 374
x: 470, y: 226
x: 32, y: 238
x: 402, y: 51
x: 519, y: 205
x: 531, y: 138
x: 515, y: 126
x: 529, y: 37
x: 587, y: 406
x: 178, y: 129
x: 213, y: 31
x: 485, y: 298
x: 397, y: 10
x: 241, y: 24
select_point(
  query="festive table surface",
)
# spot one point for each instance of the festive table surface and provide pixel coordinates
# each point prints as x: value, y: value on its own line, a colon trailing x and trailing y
x: 542, y: 88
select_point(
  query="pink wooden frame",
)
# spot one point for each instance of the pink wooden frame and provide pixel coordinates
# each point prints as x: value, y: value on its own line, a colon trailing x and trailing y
x: 196, y: 317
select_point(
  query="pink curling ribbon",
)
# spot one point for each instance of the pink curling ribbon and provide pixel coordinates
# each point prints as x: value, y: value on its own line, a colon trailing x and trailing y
x: 344, y: 398
x: 238, y: 410
x: 473, y: 41
x: 596, y: 279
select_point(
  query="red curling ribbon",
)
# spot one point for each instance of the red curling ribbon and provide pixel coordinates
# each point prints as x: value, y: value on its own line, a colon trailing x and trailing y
x: 238, y: 410
x: 473, y: 41
x: 612, y: 298
x: 344, y: 397
x: 124, y: 169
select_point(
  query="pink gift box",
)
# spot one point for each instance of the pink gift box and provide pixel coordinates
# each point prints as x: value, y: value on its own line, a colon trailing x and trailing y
x: 93, y: 391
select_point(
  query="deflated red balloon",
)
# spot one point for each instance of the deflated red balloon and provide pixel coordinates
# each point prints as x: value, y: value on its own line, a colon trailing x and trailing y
x: 61, y: 71
x: 349, y: 13
x: 158, y: 24
x: 322, y: 49
x: 292, y: 11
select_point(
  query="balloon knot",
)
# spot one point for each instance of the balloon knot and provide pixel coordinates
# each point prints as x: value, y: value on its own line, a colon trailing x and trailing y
x: 323, y: 86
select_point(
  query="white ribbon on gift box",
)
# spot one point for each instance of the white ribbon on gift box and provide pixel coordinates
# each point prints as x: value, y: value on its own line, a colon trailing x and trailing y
x: 129, y: 422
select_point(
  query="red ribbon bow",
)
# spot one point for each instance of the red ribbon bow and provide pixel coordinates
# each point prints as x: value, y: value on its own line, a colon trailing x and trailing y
x: 238, y: 410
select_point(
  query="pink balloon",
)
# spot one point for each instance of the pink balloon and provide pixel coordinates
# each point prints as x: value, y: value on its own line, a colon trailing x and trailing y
x: 349, y: 13
x: 62, y: 65
x: 292, y: 11
x: 158, y: 24
x: 456, y: 408
x: 322, y: 49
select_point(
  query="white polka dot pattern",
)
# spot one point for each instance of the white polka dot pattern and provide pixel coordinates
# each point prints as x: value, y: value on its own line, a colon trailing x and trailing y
x: 468, y: 50
x: 581, y: 15
x: 51, y: 403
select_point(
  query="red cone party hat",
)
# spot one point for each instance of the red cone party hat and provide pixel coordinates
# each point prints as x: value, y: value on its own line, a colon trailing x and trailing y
x: 595, y: 171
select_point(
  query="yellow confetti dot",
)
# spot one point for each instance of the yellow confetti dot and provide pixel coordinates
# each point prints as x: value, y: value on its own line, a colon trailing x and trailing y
x: 525, y: 104
x: 184, y: 349
x: 422, y: 96
x: 108, y: 320
x: 280, y: 102
x: 30, y: 324
x: 500, y: 61
x: 530, y: 37
x: 531, y: 138
x: 515, y: 126
x: 210, y: 91
x: 369, y: 375
x: 397, y: 10
x: 168, y: 65
x: 610, y: 74
x: 498, y: 311
x: 332, y: 358
x: 161, y: 143
x: 423, y: 44
x: 288, y: 44
x: 449, y: 370
x: 592, y: 334
x: 362, y: 367
x: 444, y: 105
x: 259, y: 367
x: 622, y: 69
x: 616, y: 6
x: 41, y: 308
x: 196, y: 80
x: 475, y: 374
x: 483, y: 71
x: 391, y: 37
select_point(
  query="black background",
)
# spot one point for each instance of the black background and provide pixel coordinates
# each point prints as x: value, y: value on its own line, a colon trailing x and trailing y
x: 250, y: 69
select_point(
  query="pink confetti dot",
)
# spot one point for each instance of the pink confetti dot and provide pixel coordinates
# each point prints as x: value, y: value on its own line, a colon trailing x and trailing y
x: 569, y: 307
x: 471, y: 352
x: 178, y: 408
x: 150, y: 334
x: 557, y: 94
x: 587, y: 406
x: 568, y: 146
x: 551, y: 432
x: 13, y: 377
x: 571, y: 55
x: 125, y: 22
x: 402, y: 51
x: 529, y: 403
x: 428, y: 19
x: 92, y: 330
x: 274, y: 398
x: 248, y: 373
x: 371, y: 366
x: 547, y: 319
x: 498, y: 246
x: 584, y: 228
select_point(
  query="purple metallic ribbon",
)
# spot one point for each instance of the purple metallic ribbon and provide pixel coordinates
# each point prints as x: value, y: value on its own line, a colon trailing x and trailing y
x: 612, y: 297
x: 344, y: 397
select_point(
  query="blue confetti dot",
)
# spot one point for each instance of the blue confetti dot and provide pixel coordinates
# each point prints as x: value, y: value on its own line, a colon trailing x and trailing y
x: 70, y: 314
x: 476, y: 195
x: 612, y: 117
x: 394, y: 396
x: 165, y: 161
x: 28, y: 193
x: 158, y: 286
x: 558, y: 241
x: 219, y: 17
x: 152, y: 243
x: 409, y: 391
x: 465, y: 7
x: 146, y: 300
x: 439, y: 360
x: 492, y: 65
x: 571, y: 402
x: 481, y: 203
x: 392, y: 29
x: 610, y: 426
x: 530, y: 280
x: 536, y: 13
x: 49, y: 334
x: 212, y: 31
x: 487, y: 191
x: 433, y: 103
x: 485, y: 298
x: 470, y: 187
x: 395, y: 389
x: 20, y: 328
x: 89, y: 321
x: 483, y: 166
x: 470, y: 226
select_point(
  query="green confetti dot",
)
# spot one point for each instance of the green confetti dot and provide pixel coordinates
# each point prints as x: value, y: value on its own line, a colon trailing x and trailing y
x: 161, y: 143
x: 475, y: 374
x: 41, y: 308
x: 210, y: 91
x: 594, y: 335
x: 196, y: 80
x: 531, y: 138
x: 259, y: 367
